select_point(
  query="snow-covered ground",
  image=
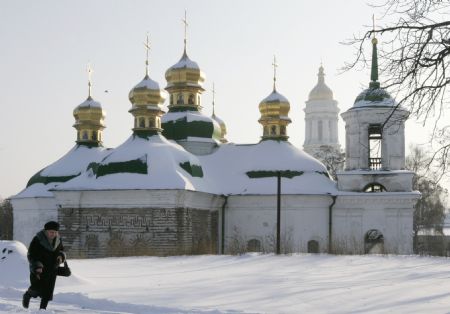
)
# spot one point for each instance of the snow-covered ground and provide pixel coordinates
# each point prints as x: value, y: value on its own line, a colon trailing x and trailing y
x: 300, y: 283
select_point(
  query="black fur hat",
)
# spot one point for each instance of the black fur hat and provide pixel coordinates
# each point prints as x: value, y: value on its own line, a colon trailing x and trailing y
x: 51, y: 225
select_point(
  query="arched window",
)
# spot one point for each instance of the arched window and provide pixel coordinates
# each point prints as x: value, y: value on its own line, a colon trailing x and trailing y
x: 171, y: 99
x: 85, y: 135
x: 191, y: 99
x: 180, y: 100
x: 273, y: 130
x: 313, y: 246
x: 375, y: 145
x: 94, y: 135
x: 253, y: 245
x: 374, y: 187
x: 142, y: 122
x: 151, y: 123
x: 320, y: 130
x: 283, y: 130
x: 374, y: 242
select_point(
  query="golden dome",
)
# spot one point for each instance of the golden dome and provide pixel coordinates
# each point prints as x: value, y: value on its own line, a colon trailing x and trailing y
x: 147, y: 92
x: 321, y: 91
x: 89, y: 122
x: 274, y: 116
x: 185, y: 73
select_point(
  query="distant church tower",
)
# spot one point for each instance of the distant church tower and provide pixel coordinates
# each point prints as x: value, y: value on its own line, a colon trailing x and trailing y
x: 321, y: 118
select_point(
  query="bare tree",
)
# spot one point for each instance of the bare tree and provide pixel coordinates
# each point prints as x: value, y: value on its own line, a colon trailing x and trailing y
x: 414, y: 58
x: 6, y: 220
x: 429, y: 212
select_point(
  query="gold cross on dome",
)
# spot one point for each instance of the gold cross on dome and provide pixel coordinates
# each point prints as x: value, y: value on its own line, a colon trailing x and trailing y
x: 275, y: 65
x: 185, y: 28
x: 89, y: 71
x: 147, y: 49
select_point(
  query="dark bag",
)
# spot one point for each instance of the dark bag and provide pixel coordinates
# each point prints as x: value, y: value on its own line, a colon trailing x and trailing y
x: 63, y: 270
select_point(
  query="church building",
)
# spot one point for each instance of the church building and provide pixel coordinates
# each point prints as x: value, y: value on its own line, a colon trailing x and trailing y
x: 178, y: 186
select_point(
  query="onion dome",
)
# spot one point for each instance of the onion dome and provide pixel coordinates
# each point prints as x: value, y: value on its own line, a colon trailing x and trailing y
x: 374, y: 96
x: 274, y: 113
x: 146, y: 99
x: 89, y: 120
x: 321, y: 91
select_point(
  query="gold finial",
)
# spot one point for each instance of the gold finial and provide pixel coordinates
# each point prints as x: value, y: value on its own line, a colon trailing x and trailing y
x: 374, y: 40
x: 89, y: 71
x: 147, y: 48
x: 213, y: 101
x: 275, y: 65
x: 185, y: 29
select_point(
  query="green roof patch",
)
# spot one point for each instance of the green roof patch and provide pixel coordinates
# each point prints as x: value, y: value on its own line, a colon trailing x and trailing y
x: 193, y: 170
x: 273, y: 173
x: 38, y: 178
x: 132, y: 166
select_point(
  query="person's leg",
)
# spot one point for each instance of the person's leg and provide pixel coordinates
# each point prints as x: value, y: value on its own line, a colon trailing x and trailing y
x: 44, y: 303
x: 26, y: 299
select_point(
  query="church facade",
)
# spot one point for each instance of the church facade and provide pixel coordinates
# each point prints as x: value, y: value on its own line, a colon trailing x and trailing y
x: 177, y: 186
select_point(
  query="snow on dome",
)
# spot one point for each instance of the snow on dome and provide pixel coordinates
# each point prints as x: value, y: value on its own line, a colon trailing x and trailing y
x: 66, y: 168
x: 144, y: 163
x: 147, y: 83
x: 321, y: 91
x: 185, y: 62
x: 237, y: 170
x: 275, y: 96
x: 89, y: 103
x: 374, y: 97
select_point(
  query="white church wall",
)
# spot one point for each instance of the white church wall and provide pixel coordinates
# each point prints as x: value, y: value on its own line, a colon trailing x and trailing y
x: 30, y: 215
x: 393, y: 181
x: 303, y: 218
x: 390, y: 214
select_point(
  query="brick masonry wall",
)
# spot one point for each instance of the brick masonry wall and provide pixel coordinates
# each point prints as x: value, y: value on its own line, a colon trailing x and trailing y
x: 103, y: 232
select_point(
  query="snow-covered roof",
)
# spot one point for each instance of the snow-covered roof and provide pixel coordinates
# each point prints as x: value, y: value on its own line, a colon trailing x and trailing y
x: 374, y: 97
x: 251, y: 169
x: 189, y: 115
x: 144, y: 163
x: 275, y: 96
x: 72, y: 164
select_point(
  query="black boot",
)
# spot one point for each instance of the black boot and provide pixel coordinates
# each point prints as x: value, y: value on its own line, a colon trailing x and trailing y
x: 44, y: 303
x: 26, y: 299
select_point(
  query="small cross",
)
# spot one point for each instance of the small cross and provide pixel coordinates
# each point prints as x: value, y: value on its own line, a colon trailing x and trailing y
x: 275, y: 65
x: 147, y: 48
x: 185, y: 28
x: 89, y: 71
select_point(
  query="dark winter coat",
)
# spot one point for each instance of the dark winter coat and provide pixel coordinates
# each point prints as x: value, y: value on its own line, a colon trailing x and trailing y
x: 43, y: 254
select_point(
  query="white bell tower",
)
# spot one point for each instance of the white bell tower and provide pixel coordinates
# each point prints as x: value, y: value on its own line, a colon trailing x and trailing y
x: 321, y: 118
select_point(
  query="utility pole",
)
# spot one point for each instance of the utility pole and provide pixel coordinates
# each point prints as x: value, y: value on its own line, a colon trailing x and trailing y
x: 278, y: 211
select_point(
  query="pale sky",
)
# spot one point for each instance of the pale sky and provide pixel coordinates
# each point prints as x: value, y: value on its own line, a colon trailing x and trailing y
x: 46, y: 46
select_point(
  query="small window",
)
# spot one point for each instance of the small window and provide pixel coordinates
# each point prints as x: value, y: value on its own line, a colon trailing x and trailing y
x: 283, y: 130
x: 94, y: 135
x: 191, y: 99
x: 141, y: 122
x: 171, y: 99
x: 254, y: 245
x: 151, y: 123
x: 85, y: 135
x: 273, y: 130
x: 313, y: 246
x: 180, y: 100
x: 374, y: 187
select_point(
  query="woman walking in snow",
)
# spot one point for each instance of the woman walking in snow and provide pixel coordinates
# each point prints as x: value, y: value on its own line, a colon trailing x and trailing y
x: 45, y: 253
